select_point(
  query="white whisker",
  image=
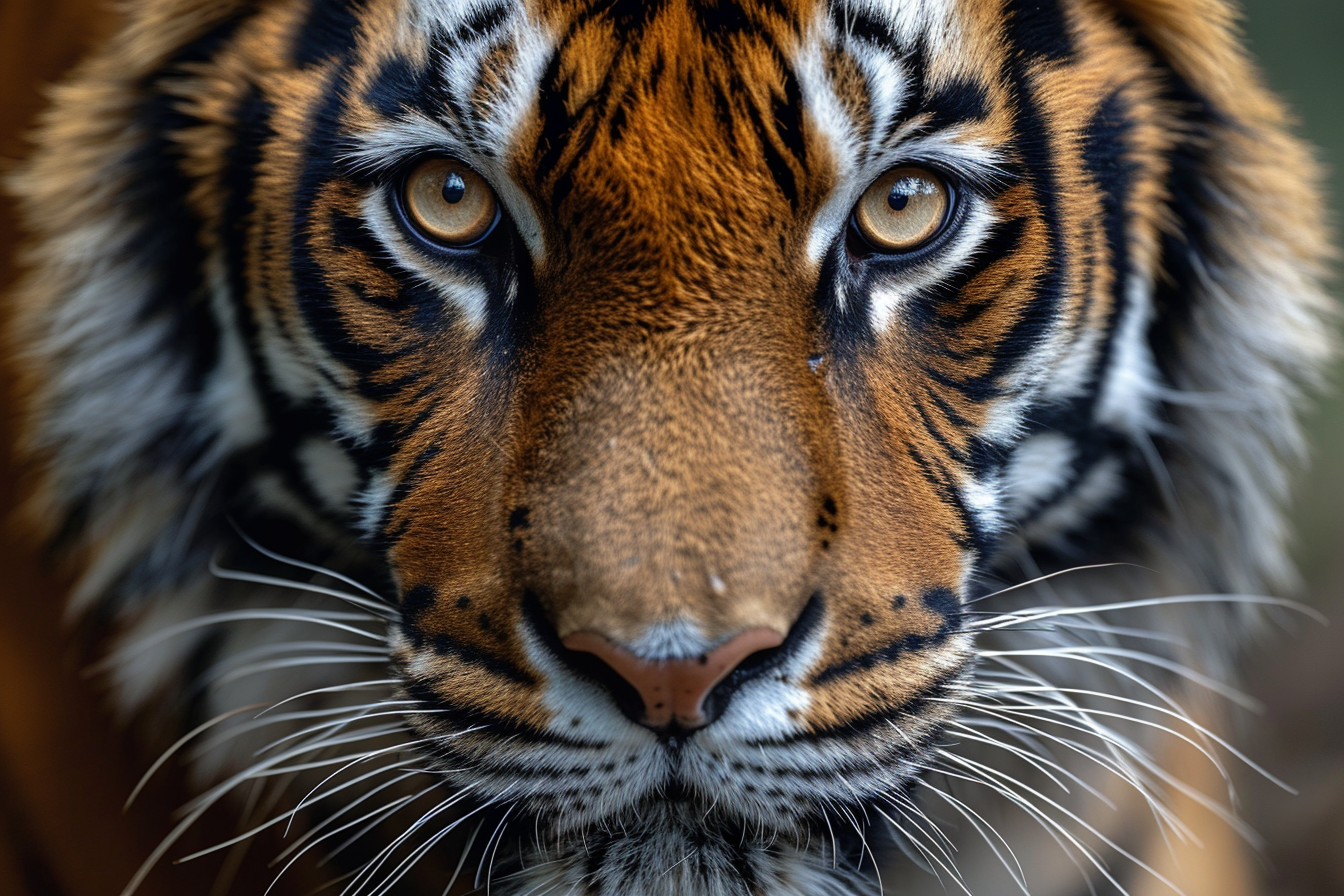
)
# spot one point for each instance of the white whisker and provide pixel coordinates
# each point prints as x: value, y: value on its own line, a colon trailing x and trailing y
x: 308, y: 567
x: 313, y: 617
x: 374, y: 608
x: 1008, y: 620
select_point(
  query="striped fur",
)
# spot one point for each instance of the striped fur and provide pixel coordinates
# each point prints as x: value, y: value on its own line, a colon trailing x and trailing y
x: 672, y: 397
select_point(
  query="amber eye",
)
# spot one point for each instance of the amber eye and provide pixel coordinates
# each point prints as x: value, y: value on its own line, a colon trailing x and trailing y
x: 903, y: 209
x: 448, y: 202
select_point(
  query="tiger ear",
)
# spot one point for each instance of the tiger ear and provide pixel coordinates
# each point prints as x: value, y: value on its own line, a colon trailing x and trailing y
x: 1242, y: 324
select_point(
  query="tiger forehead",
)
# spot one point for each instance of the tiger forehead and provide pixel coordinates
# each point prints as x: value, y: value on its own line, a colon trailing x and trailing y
x: 674, y: 111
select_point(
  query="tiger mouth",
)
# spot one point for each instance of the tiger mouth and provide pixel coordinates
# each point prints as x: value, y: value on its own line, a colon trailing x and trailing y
x: 571, y: 780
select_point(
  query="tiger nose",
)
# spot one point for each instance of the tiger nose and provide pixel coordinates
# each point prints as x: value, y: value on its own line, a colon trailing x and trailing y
x: 674, y: 690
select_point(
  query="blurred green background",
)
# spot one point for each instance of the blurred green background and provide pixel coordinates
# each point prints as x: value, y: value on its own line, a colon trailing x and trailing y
x: 1301, y: 45
x: 1300, y: 676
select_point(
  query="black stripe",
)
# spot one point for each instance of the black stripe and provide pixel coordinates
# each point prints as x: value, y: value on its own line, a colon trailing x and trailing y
x: 484, y: 21
x: 320, y: 150
x: 1106, y: 156
x: 400, y: 85
x: 774, y: 160
x: 927, y: 700
x: 945, y: 486
x: 934, y: 431
x: 961, y: 101
x: 1004, y: 240
x: 449, y: 716
x: 1039, y: 28
x: 445, y: 645
x: 941, y: 601
x: 328, y: 31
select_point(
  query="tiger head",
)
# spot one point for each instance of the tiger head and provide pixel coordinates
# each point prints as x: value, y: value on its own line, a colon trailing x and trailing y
x: 678, y: 373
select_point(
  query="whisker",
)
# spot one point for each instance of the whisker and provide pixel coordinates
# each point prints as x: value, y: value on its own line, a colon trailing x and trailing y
x: 929, y: 856
x: 1035, y: 615
x: 298, y: 662
x: 1003, y: 784
x: 391, y: 879
x: 374, y: 608
x: 308, y: 567
x: 984, y: 828
x: 259, y: 722
x: 377, y: 815
x: 1037, y: 580
x: 371, y: 867
x: 178, y: 745
x: 1093, y: 651
x: 287, y: 815
x: 1184, y: 717
x: 314, y: 617
x: 333, y: 689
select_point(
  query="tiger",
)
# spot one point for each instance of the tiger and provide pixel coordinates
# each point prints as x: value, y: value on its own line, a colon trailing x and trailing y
x: 701, y: 447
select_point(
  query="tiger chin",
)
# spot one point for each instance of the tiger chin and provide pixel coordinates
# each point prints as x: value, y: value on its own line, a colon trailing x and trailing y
x: 677, y: 447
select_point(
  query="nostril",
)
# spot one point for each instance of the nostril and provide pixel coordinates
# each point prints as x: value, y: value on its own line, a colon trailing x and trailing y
x: 673, y: 691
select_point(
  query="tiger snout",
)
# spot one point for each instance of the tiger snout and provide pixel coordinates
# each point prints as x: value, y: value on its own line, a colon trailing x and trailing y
x: 683, y: 578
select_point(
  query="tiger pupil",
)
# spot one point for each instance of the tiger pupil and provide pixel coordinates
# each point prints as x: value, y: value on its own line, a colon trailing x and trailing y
x: 898, y: 198
x: 454, y: 188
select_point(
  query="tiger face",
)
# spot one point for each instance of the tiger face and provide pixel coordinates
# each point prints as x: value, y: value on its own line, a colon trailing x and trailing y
x: 675, y: 379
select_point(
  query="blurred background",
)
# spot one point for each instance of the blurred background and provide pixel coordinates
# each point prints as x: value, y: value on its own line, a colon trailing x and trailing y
x: 63, y: 775
x: 1300, y: 676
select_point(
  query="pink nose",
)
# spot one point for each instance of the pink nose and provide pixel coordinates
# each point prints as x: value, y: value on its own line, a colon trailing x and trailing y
x: 675, y: 690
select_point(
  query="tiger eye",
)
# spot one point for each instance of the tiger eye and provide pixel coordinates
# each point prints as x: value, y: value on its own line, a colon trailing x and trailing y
x: 903, y: 209
x: 449, y: 203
